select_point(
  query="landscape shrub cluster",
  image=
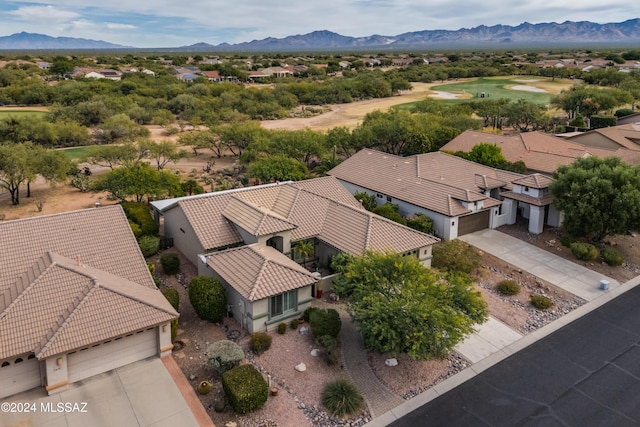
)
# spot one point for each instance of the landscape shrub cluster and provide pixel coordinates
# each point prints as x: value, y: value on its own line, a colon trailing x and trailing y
x: 508, y: 287
x: 170, y: 263
x: 261, y: 342
x: 208, y: 298
x: 224, y: 355
x: 341, y: 398
x: 245, y: 388
x: 584, y: 251
x: 455, y: 255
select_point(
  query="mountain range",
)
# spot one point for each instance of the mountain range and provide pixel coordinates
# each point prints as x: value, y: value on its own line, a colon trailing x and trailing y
x: 499, y: 36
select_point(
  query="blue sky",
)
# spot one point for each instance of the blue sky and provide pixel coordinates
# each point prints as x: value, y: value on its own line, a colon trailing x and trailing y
x: 170, y: 23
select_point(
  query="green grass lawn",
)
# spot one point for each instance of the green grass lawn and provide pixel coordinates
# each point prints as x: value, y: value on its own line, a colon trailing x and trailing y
x: 496, y: 88
x: 75, y: 153
x: 5, y: 114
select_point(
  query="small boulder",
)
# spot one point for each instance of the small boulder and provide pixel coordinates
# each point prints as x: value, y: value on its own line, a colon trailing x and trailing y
x: 315, y: 352
x: 301, y: 367
x: 303, y: 330
x: 391, y: 362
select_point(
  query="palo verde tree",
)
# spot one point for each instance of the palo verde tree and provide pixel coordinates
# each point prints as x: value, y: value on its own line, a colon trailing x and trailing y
x: 402, y: 306
x: 137, y: 180
x: 598, y: 196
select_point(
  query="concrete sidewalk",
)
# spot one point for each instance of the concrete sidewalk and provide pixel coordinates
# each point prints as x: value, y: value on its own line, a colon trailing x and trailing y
x: 558, y: 271
x: 491, y: 336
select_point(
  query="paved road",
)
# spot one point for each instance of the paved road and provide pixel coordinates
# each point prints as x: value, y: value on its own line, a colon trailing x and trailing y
x: 584, y: 374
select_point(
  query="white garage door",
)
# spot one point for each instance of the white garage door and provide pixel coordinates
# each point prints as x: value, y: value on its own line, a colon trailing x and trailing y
x: 20, y: 376
x: 112, y: 354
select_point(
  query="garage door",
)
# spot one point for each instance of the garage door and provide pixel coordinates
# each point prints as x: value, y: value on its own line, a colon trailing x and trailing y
x: 474, y: 222
x: 18, y: 375
x: 112, y: 354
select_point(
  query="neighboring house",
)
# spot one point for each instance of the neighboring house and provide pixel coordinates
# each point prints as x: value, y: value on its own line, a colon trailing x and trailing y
x: 631, y: 118
x: 460, y: 196
x: 90, y: 73
x: 246, y: 238
x: 540, y: 152
x: 76, y: 300
x: 212, y: 76
x: 625, y: 137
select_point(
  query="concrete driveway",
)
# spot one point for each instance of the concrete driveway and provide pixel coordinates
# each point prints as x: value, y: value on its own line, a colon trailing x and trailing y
x: 565, y: 274
x: 141, y: 394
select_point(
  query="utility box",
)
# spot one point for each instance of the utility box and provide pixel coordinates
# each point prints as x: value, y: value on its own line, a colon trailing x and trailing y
x: 604, y: 285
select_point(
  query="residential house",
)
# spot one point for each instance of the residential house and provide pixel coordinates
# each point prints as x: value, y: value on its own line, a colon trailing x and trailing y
x: 621, y: 138
x: 247, y: 238
x: 540, y: 152
x: 631, y: 118
x: 212, y: 76
x: 76, y: 300
x: 460, y: 196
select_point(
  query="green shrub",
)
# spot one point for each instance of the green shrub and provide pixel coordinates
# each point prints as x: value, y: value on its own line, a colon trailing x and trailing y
x: 455, y: 255
x: 341, y: 398
x: 566, y: 240
x: 173, y: 297
x: 331, y: 350
x: 260, y: 342
x: 623, y: 112
x: 152, y: 268
x: 339, y: 262
x: 170, y: 263
x: 325, y: 322
x: 306, y: 315
x: 245, y: 388
x: 508, y: 287
x: 149, y: 245
x: 611, y: 257
x: 390, y: 211
x: 420, y: 222
x: 174, y: 329
x: 294, y: 324
x: 584, y: 251
x: 139, y: 213
x: 541, y: 302
x: 208, y: 298
x: 137, y: 231
x: 598, y: 122
x: 282, y: 328
x: 224, y: 355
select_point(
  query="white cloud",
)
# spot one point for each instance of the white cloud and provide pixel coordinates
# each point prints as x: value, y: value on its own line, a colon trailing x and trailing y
x: 43, y: 13
x: 117, y: 26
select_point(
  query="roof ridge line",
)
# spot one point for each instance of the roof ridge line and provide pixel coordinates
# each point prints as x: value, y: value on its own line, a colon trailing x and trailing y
x: 65, y: 317
x: 24, y: 281
x: 254, y: 289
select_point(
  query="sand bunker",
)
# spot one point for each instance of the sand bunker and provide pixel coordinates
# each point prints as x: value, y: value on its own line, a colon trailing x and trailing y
x: 443, y: 95
x: 528, y: 88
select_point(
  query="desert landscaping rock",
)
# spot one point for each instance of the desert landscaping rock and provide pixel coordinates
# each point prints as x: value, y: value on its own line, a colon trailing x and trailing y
x: 301, y: 367
x: 391, y: 362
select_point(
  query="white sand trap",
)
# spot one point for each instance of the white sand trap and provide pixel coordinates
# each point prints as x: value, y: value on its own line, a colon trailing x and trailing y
x: 528, y: 88
x: 443, y: 95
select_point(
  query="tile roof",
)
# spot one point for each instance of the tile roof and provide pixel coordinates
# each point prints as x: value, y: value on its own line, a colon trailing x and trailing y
x: 547, y: 199
x: 315, y: 208
x: 53, y: 308
x: 91, y: 234
x: 265, y: 271
x: 435, y: 181
x: 545, y: 153
x: 255, y: 220
x: 535, y: 180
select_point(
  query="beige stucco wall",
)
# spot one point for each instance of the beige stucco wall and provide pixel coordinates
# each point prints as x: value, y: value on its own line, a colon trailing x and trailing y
x: 593, y: 139
x: 177, y: 226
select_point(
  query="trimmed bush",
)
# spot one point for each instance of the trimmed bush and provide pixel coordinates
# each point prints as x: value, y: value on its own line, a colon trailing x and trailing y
x: 294, y: 324
x: 282, y: 328
x: 260, y: 342
x: 566, y: 240
x: 306, y: 315
x: 331, y: 350
x: 584, y: 251
x: 541, y: 302
x: 173, y: 297
x: 170, y: 263
x: 341, y: 398
x: 598, y: 122
x: 224, y: 355
x: 455, y: 255
x: 508, y: 287
x: 139, y: 213
x: 152, y: 268
x: 149, y: 245
x: 208, y: 298
x: 245, y: 388
x: 611, y: 257
x: 325, y: 322
x: 174, y: 329
x: 420, y: 222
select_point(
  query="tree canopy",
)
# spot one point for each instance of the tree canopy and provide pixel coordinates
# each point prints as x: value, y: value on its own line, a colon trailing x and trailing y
x: 598, y: 196
x: 402, y: 306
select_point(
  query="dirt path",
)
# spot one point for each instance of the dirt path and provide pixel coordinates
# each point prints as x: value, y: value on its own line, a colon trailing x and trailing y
x: 350, y: 115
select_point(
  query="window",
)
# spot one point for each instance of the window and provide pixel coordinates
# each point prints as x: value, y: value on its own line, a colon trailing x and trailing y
x: 283, y: 303
x: 389, y: 199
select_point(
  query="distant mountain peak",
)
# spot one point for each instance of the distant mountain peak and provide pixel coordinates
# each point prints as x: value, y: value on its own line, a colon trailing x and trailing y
x: 29, y: 41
